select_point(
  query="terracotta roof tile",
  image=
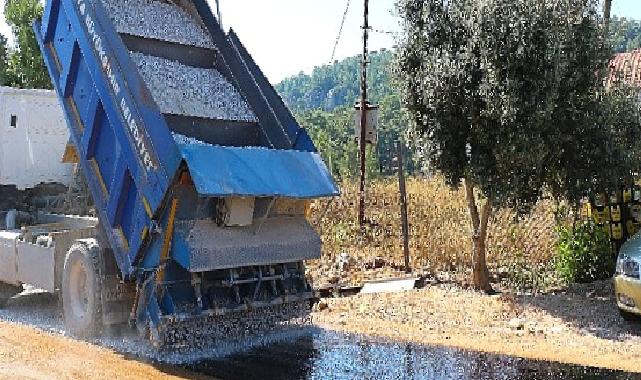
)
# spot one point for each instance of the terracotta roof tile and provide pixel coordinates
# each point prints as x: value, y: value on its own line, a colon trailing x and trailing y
x: 626, y: 67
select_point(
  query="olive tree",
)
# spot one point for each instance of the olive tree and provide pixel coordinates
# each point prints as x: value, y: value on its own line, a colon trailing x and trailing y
x: 510, y: 98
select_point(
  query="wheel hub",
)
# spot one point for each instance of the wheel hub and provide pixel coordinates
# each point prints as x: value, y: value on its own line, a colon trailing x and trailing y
x: 78, y: 292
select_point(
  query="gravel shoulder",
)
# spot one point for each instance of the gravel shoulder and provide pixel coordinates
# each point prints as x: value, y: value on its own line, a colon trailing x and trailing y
x: 579, y: 325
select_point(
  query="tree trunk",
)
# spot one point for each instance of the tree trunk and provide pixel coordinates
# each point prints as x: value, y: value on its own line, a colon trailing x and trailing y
x: 607, y: 7
x: 480, y: 273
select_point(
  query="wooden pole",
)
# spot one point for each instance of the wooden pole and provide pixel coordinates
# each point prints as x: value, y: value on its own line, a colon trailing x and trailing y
x: 403, y: 199
x: 607, y: 7
x: 361, y: 201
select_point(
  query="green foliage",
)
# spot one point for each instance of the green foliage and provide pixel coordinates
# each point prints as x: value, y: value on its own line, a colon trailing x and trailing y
x: 522, y: 275
x: 583, y: 253
x: 324, y: 100
x: 334, y: 136
x: 3, y: 61
x: 625, y: 34
x: 509, y: 93
x: 338, y: 85
x: 26, y: 67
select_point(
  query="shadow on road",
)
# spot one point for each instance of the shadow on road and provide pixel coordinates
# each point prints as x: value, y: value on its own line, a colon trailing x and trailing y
x: 591, y: 308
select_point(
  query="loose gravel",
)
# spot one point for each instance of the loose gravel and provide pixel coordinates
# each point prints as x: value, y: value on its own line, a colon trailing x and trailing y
x: 187, y: 140
x: 157, y: 19
x: 576, y: 325
x: 41, y: 310
x: 184, y: 90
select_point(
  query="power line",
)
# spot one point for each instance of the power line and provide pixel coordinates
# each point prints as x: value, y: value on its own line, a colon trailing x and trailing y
x: 340, y: 31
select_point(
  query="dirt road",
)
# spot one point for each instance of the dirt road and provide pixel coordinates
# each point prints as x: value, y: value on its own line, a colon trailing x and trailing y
x: 579, y: 325
x: 27, y: 353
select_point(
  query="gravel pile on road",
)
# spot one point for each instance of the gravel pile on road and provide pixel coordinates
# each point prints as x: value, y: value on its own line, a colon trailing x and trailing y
x: 34, y: 307
x: 184, y: 90
x: 162, y: 20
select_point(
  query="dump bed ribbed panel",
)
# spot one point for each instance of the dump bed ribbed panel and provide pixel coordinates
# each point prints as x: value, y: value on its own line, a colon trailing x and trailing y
x: 161, y: 20
x: 184, y: 90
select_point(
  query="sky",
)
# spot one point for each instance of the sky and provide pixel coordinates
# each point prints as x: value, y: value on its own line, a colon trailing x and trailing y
x: 286, y: 37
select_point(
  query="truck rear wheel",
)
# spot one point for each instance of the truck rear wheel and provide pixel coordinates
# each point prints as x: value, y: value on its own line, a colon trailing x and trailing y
x: 81, y: 289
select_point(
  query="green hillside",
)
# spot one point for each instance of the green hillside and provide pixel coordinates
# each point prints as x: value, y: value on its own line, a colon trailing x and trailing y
x: 626, y: 34
x: 337, y: 85
x: 323, y: 103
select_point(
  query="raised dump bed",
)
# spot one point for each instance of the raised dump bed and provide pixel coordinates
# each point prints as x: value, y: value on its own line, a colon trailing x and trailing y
x: 200, y: 175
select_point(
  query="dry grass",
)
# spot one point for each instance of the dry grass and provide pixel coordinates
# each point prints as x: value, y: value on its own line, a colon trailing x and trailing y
x: 439, y: 231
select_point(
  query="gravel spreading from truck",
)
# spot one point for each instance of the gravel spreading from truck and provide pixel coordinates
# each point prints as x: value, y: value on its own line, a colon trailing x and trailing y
x: 234, y: 302
x: 161, y: 20
x: 41, y: 310
x: 576, y: 325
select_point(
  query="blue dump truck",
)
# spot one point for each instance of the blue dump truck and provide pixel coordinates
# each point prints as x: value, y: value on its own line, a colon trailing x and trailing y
x: 200, y: 176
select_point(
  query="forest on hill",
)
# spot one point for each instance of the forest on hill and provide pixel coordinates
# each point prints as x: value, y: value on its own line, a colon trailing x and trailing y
x: 324, y: 103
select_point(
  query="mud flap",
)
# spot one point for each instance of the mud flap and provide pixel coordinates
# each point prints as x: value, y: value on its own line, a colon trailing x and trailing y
x: 147, y: 310
x: 117, y: 299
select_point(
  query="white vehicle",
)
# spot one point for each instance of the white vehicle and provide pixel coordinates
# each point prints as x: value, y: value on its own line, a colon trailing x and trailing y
x: 33, y: 244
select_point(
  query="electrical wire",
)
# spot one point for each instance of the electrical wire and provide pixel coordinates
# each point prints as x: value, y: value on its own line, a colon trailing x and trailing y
x: 340, y: 32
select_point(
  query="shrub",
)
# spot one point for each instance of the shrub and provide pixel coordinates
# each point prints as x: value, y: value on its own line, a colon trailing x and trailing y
x: 583, y: 253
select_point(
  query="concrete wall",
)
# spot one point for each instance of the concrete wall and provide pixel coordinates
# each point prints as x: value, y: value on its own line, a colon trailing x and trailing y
x: 31, y: 150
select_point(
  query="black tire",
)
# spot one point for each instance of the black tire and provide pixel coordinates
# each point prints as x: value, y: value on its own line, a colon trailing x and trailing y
x: 630, y: 317
x: 7, y: 291
x: 81, y: 289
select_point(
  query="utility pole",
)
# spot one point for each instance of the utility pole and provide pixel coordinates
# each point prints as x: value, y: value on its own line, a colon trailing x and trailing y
x: 361, y: 202
x: 607, y: 7
x: 403, y: 198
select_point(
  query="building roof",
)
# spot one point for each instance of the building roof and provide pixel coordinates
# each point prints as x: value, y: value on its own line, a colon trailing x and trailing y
x: 626, y: 67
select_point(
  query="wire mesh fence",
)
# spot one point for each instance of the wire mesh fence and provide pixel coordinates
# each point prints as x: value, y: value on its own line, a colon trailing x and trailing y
x: 519, y: 250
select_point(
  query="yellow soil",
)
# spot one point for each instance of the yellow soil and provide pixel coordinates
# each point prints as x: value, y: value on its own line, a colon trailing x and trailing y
x: 26, y: 353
